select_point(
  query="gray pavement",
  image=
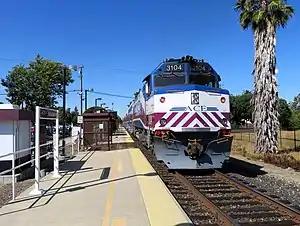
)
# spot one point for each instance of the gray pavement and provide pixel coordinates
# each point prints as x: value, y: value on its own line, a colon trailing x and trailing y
x: 113, y: 188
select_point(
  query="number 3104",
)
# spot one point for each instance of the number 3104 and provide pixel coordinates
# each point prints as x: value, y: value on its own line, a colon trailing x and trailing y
x: 174, y: 67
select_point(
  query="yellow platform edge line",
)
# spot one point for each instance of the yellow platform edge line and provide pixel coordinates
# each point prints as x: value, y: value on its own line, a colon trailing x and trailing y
x: 161, y: 206
x: 110, y: 195
x: 118, y: 222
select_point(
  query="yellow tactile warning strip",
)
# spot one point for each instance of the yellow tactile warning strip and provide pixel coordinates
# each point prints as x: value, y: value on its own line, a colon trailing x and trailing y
x: 162, y: 208
x: 118, y: 222
x: 128, y: 140
x: 110, y: 195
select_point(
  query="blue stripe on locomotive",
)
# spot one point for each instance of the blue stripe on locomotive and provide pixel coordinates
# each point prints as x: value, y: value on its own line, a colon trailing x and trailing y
x: 185, y: 108
x: 189, y: 87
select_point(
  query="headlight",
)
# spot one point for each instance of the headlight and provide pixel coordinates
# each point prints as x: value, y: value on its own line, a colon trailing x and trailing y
x: 162, y: 99
x: 223, y: 100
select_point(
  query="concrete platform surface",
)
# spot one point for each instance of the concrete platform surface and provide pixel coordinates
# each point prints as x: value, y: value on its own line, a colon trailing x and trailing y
x: 121, y: 137
x: 116, y: 188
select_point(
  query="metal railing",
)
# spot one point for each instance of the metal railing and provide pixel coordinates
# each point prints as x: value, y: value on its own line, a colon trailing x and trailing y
x: 75, y: 144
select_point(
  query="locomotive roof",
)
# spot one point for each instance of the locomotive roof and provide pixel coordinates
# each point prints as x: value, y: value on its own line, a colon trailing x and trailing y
x: 185, y: 59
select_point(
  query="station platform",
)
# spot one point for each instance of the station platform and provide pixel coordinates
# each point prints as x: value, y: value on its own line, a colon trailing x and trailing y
x: 113, y: 188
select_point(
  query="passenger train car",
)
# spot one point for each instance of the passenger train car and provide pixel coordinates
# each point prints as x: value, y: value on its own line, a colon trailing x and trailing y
x: 182, y: 115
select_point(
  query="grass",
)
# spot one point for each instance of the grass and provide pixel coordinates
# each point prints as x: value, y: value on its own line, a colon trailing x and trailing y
x: 243, y: 145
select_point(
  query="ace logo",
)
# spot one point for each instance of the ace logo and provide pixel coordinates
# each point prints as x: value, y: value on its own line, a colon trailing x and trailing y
x: 197, y: 108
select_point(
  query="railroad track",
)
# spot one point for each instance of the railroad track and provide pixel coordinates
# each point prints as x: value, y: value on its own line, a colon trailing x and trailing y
x: 238, y: 204
x: 218, y: 199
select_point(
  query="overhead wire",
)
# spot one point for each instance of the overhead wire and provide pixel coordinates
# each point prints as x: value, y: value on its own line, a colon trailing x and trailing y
x: 12, y: 59
x: 103, y: 93
x: 112, y: 95
x: 117, y: 69
x: 89, y: 69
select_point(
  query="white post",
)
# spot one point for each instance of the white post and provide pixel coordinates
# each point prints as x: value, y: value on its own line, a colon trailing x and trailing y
x: 13, y: 165
x: 81, y: 137
x: 72, y: 145
x: 56, y: 147
x: 78, y: 142
x: 36, y: 190
x: 13, y: 176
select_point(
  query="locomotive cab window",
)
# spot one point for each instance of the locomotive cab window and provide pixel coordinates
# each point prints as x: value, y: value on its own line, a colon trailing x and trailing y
x: 169, y: 79
x: 204, y: 80
x: 146, y: 87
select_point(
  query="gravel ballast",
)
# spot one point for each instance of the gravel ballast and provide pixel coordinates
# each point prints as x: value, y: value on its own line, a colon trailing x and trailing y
x: 6, y: 190
x: 283, y: 183
x: 275, y: 186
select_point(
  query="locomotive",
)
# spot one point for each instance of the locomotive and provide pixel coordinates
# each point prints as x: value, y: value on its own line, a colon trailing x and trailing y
x: 183, y: 115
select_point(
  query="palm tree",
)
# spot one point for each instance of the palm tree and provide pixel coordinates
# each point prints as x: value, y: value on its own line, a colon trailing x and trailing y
x: 264, y: 17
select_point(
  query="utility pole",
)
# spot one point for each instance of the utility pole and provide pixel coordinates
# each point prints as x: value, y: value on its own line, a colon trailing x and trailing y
x: 81, y: 103
x: 85, y: 98
x: 64, y: 112
x: 96, y: 101
x: 81, y: 91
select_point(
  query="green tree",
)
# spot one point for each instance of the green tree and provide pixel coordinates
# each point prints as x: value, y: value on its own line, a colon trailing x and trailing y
x: 38, y: 84
x: 295, y: 104
x: 295, y: 108
x: 285, y: 113
x: 295, y: 120
x: 74, y: 115
x: 264, y: 17
x: 241, y: 108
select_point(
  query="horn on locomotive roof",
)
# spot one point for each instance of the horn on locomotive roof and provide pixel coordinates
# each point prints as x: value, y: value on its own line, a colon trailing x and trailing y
x: 186, y: 58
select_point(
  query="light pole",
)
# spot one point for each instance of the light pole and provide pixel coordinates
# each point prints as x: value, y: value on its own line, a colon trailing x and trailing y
x: 102, y: 104
x: 81, y: 100
x: 79, y: 68
x: 96, y: 101
x: 64, y: 111
x: 75, y: 68
x: 65, y: 68
x: 86, y: 96
x: 112, y: 106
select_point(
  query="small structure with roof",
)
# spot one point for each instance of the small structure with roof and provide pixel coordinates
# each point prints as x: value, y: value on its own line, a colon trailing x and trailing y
x: 14, y: 134
x: 98, y: 128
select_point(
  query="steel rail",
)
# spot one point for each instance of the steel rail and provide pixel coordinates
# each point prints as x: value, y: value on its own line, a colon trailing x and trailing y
x: 222, y: 217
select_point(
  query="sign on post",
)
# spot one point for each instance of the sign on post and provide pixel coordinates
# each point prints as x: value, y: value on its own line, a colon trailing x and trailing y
x: 52, y: 115
x: 79, y: 119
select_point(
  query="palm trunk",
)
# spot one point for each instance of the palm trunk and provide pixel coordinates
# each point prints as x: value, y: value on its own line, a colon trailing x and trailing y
x: 265, y: 96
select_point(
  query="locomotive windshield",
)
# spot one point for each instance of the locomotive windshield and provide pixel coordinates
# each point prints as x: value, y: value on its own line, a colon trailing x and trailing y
x: 168, y: 79
x: 201, y: 73
x: 204, y: 80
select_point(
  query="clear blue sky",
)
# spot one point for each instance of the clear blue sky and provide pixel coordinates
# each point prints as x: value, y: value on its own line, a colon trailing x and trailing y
x: 119, y: 42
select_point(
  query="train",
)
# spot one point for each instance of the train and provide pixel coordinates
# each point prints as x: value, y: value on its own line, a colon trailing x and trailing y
x: 182, y: 115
